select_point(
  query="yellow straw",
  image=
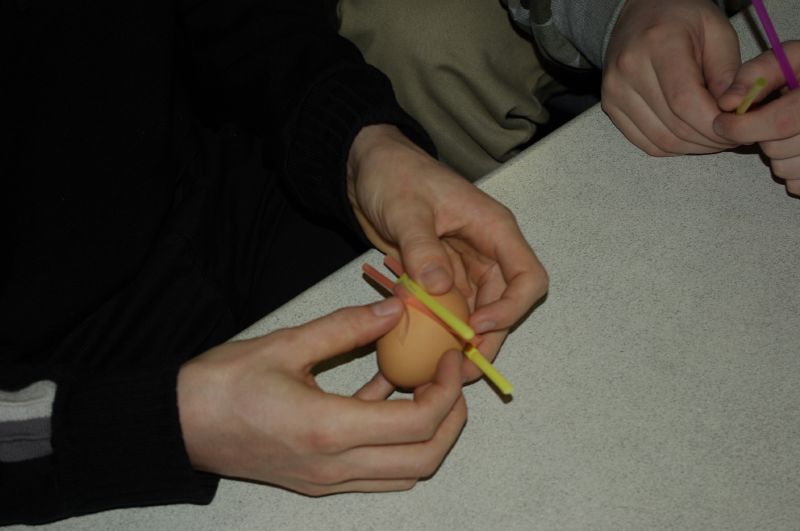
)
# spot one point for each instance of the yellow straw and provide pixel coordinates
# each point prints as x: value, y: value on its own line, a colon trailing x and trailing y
x: 462, y: 329
x: 751, y: 95
x: 450, y: 319
x: 474, y: 355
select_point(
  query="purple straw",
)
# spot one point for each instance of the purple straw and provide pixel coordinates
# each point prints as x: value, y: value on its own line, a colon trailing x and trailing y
x: 775, y: 42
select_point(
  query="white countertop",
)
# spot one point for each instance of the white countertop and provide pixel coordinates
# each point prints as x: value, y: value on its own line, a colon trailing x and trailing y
x: 657, y: 386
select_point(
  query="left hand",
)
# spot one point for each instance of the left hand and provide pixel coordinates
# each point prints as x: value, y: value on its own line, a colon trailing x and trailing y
x: 666, y: 63
x: 776, y: 125
x: 445, y: 231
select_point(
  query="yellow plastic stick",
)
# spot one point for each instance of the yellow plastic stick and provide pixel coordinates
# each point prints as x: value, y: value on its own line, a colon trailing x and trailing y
x: 474, y: 355
x: 462, y: 329
x: 751, y: 95
x: 459, y: 327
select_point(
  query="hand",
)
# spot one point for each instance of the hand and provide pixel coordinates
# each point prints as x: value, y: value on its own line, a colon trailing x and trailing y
x: 665, y: 65
x: 252, y: 409
x: 776, y: 125
x: 445, y: 231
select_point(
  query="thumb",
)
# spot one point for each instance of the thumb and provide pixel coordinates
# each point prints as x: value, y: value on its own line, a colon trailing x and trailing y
x: 721, y: 56
x: 423, y: 255
x: 764, y: 65
x: 344, y: 330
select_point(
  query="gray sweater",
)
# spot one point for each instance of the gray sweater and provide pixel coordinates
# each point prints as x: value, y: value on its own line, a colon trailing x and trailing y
x: 572, y: 32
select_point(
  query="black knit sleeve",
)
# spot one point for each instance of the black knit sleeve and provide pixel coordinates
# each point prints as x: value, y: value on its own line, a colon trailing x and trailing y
x: 280, y: 70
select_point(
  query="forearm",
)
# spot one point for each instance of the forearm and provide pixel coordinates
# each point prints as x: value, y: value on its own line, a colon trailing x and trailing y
x: 85, y: 441
x: 285, y: 74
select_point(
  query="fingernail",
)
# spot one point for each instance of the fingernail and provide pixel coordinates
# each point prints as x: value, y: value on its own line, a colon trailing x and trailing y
x: 433, y: 275
x: 485, y: 326
x: 387, y: 307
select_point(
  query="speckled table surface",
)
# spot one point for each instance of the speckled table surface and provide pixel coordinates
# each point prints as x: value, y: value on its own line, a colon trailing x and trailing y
x: 657, y: 387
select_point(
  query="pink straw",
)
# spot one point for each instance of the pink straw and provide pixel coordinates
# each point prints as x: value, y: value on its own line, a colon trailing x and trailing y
x: 775, y: 42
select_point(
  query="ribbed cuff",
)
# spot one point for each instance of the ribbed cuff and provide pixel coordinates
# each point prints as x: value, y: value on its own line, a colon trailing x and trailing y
x: 319, y: 137
x: 117, y: 443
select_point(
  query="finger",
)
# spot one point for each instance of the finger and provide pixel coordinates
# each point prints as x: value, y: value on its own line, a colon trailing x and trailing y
x: 356, y: 423
x: 423, y: 254
x: 632, y: 132
x: 378, y: 388
x: 793, y: 187
x: 721, y: 55
x: 360, y: 485
x: 632, y: 115
x: 417, y: 460
x: 764, y: 65
x: 788, y: 169
x: 341, y: 331
x: 686, y: 106
x: 777, y: 120
x: 782, y: 149
x: 508, y: 276
x: 649, y: 113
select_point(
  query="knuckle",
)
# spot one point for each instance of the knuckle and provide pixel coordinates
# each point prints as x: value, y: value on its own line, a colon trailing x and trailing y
x: 429, y: 465
x: 322, y: 438
x: 541, y: 284
x: 628, y: 62
x: 781, y: 169
x: 680, y: 99
x: 656, y: 35
x: 425, y: 430
x: 406, y: 484
x: 786, y: 123
x: 290, y: 337
x: 665, y: 143
x: 315, y: 491
x: 328, y: 474
x: 771, y: 149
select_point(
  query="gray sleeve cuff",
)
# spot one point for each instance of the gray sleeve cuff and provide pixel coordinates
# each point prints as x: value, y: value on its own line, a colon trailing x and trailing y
x: 25, y: 431
x: 587, y: 24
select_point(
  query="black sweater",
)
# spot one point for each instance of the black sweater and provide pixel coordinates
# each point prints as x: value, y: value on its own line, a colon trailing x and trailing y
x: 102, y: 107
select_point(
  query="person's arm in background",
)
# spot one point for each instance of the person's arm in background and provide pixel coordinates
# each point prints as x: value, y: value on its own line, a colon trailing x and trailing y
x: 664, y: 64
x: 775, y: 126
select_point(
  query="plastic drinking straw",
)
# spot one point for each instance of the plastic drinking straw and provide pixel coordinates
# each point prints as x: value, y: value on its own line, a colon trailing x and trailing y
x: 775, y: 42
x: 405, y: 295
x: 459, y: 327
x: 494, y: 376
x: 751, y: 95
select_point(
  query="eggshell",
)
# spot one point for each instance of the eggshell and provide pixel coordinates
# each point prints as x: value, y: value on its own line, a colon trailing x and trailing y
x: 409, y: 353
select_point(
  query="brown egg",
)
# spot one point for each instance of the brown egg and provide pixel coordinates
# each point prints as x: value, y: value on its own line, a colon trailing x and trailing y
x: 409, y: 353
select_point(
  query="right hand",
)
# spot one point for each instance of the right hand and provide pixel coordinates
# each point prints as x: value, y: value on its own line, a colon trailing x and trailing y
x: 252, y: 409
x: 667, y: 62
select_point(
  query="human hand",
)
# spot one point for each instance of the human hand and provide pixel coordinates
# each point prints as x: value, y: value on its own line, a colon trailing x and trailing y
x: 776, y: 125
x: 665, y: 65
x: 445, y: 231
x: 252, y: 410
